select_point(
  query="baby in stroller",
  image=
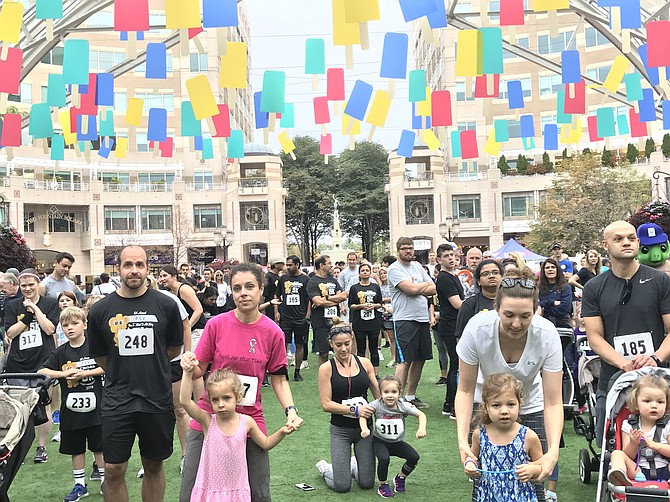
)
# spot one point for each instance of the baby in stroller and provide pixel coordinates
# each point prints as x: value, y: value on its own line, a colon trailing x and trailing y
x: 644, y: 435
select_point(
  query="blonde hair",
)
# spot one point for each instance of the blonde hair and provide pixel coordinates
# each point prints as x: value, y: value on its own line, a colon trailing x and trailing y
x: 227, y: 376
x: 339, y: 327
x: 92, y: 300
x: 493, y: 386
x: 69, y: 314
x: 647, y: 382
x: 518, y: 258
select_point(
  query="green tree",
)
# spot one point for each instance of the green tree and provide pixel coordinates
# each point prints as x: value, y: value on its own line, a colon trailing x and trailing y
x: 547, y: 164
x: 606, y: 157
x: 521, y: 164
x: 361, y: 175
x: 665, y: 146
x: 632, y: 153
x: 14, y: 252
x: 586, y: 151
x: 564, y: 155
x: 309, y: 203
x: 649, y: 147
x: 503, y: 165
x: 582, y: 200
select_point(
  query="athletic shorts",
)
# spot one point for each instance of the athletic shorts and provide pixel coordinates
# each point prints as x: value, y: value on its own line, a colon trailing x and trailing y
x: 321, y: 336
x: 295, y: 330
x: 413, y: 341
x: 175, y: 371
x: 74, y: 442
x: 155, y: 432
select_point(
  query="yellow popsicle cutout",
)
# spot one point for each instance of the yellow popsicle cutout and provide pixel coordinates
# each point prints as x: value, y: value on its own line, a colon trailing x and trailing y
x: 134, y: 112
x: 425, y: 107
x: 545, y: 5
x: 492, y: 146
x: 431, y: 140
x: 361, y: 11
x: 572, y: 133
x: 182, y: 14
x: 11, y: 18
x: 64, y: 119
x: 202, y: 98
x: 233, y: 71
x: 469, y: 56
x: 121, y: 151
x: 344, y: 33
x: 355, y: 128
x: 380, y: 109
x: 286, y: 143
x: 615, y: 76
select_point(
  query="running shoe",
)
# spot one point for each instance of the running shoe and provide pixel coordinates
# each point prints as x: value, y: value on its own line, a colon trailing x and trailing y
x: 298, y: 377
x: 78, y: 492
x: 55, y: 417
x: 354, y: 468
x: 41, y: 456
x: 551, y: 496
x: 441, y: 381
x: 399, y: 484
x: 140, y: 473
x: 392, y: 364
x: 385, y: 491
x: 419, y: 403
x: 304, y: 365
x: 381, y: 356
x: 56, y: 438
x: 95, y: 473
x: 322, y: 466
x: 102, y: 488
x: 181, y: 465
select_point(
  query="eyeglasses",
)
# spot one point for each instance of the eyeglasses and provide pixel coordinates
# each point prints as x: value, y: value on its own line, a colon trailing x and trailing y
x: 407, y: 248
x: 511, y: 282
x: 487, y: 273
x: 627, y: 292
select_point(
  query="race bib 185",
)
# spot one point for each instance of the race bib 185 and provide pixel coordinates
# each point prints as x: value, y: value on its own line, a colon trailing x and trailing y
x: 631, y: 346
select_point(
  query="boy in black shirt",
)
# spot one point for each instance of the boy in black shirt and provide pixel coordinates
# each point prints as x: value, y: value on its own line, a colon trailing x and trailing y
x: 80, y: 381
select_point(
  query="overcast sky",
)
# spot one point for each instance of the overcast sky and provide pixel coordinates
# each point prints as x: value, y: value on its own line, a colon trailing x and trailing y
x: 279, y: 29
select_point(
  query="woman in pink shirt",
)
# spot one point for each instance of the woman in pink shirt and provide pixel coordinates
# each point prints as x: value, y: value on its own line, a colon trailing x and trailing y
x: 250, y: 344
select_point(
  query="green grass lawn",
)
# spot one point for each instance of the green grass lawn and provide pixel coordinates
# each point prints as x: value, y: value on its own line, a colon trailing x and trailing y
x: 438, y: 476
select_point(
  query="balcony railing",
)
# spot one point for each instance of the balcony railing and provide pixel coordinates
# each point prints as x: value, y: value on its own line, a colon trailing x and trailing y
x: 419, y: 180
x: 205, y: 187
x: 478, y: 176
x: 137, y: 187
x: 63, y: 186
x: 253, y: 185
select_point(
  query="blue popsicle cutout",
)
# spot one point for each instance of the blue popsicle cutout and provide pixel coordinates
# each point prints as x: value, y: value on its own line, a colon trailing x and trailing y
x: 570, y: 67
x: 106, y: 145
x: 419, y: 122
x: 438, y: 19
x: 414, y: 9
x: 515, y: 94
x: 666, y: 115
x: 527, y: 126
x: 359, y: 100
x: 652, y: 73
x: 156, y: 66
x: 550, y: 137
x: 647, y: 106
x: 104, y: 89
x: 92, y: 131
x: 406, y: 146
x: 262, y: 118
x: 219, y: 13
x: 198, y: 143
x: 394, y: 56
x: 157, y: 124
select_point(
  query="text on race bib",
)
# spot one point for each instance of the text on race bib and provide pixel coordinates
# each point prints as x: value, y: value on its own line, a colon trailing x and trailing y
x: 293, y: 300
x: 30, y: 339
x: 354, y: 401
x: 249, y: 390
x: 367, y: 315
x: 631, y: 346
x: 81, y: 402
x: 389, y: 428
x: 330, y: 312
x: 136, y: 342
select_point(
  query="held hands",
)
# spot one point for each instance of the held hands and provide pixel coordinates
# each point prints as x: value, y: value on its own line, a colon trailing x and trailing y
x: 546, y: 463
x: 420, y: 433
x: 365, y: 411
x: 470, y: 466
x: 526, y: 472
x: 365, y: 432
x: 293, y: 421
x: 188, y: 362
x: 638, y: 362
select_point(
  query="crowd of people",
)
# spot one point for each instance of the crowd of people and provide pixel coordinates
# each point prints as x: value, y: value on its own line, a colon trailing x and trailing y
x: 138, y: 356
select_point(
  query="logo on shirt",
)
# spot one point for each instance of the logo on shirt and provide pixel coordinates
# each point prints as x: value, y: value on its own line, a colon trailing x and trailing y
x: 252, y: 346
x: 116, y: 324
x: 642, y: 281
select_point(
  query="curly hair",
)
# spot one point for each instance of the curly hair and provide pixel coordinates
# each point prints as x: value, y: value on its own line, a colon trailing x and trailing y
x: 493, y: 386
x: 646, y: 382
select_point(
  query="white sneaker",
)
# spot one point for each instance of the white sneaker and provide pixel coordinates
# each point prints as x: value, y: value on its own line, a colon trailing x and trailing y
x: 381, y: 356
x: 322, y: 466
x: 391, y: 364
x: 551, y: 496
x: 304, y: 365
x: 56, y: 438
x: 140, y: 473
x: 354, y: 468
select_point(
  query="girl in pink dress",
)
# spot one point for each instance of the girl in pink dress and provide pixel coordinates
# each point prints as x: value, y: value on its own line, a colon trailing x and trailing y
x: 222, y: 475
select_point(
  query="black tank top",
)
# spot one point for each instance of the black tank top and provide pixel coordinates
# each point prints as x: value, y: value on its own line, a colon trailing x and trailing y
x: 343, y: 388
x: 200, y: 324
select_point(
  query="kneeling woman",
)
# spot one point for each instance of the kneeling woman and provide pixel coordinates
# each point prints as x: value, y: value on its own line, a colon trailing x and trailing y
x: 343, y: 387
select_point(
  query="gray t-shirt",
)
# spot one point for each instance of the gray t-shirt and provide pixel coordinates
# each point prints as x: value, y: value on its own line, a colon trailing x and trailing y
x: 348, y: 278
x: 52, y: 287
x: 406, y: 307
x: 390, y: 424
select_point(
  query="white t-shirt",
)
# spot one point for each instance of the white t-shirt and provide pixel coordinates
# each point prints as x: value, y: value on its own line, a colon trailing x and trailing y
x: 182, y: 315
x: 659, y: 460
x: 480, y: 345
x: 406, y: 307
x: 104, y: 288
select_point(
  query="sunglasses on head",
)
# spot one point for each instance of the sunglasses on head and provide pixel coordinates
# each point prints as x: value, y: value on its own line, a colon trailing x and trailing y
x: 511, y: 282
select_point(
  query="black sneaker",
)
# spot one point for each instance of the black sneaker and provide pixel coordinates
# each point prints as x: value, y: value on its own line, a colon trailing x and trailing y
x: 446, y: 411
x: 441, y: 381
x: 419, y: 403
x: 298, y: 377
x: 95, y: 473
x: 41, y: 456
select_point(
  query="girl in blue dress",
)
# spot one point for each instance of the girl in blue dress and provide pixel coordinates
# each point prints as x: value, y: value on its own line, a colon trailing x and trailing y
x: 504, y: 447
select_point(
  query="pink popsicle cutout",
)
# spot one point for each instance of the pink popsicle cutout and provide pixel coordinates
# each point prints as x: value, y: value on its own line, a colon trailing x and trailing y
x: 222, y: 122
x: 335, y: 84
x: 10, y: 71
x: 326, y: 144
x: 321, y: 111
x: 441, y: 109
x: 11, y: 130
x: 131, y: 15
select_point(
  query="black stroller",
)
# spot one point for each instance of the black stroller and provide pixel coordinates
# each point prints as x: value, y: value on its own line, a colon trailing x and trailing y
x: 22, y: 400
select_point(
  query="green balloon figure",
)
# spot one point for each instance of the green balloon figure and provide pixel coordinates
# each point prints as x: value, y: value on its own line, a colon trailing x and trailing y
x: 654, y: 246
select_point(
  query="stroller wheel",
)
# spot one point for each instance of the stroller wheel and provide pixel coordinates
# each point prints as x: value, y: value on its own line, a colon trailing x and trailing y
x: 578, y: 424
x: 584, y: 466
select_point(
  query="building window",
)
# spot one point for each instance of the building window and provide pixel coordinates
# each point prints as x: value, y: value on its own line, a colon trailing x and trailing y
x: 514, y: 128
x: 467, y: 126
x: 54, y: 57
x: 553, y: 45
x: 64, y: 224
x: 550, y: 85
x: 30, y: 221
x: 120, y: 219
x: 460, y: 93
x: 594, y: 38
x: 598, y: 74
x: 156, y: 101
x: 207, y: 217
x: 120, y: 102
x: 466, y: 207
x: 468, y: 170
x: 155, y: 178
x: 115, y: 178
x: 25, y: 94
x: 521, y: 42
x: 547, y: 119
x: 419, y: 210
x: 199, y: 62
x: 203, y: 180
x: 105, y: 60
x: 156, y: 218
x: 518, y: 206
x: 254, y: 216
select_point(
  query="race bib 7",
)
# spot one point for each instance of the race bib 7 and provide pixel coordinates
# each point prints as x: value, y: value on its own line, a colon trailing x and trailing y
x: 249, y: 390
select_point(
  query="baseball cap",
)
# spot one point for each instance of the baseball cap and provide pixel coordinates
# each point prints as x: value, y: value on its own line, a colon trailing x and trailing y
x: 556, y: 245
x: 650, y: 234
x: 276, y: 260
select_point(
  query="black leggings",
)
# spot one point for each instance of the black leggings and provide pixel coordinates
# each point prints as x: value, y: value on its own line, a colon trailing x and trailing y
x: 372, y: 339
x: 385, y: 450
x: 450, y: 341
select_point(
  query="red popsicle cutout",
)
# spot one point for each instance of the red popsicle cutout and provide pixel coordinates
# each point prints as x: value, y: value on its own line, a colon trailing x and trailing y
x: 131, y: 15
x: 166, y: 147
x: 321, y: 111
x: 73, y: 118
x: 637, y: 129
x: 511, y: 13
x: 577, y: 104
x: 222, y: 122
x: 335, y: 84
x: 469, y: 149
x: 441, y: 109
x: 481, y: 85
x: 11, y: 130
x: 87, y: 103
x: 592, y: 121
x: 194, y: 32
x: 326, y: 144
x: 10, y: 71
x: 658, y: 39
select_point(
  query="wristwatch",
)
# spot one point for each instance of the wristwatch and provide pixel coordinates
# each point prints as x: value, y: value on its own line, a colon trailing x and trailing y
x: 352, y: 409
x: 289, y: 408
x: 656, y: 360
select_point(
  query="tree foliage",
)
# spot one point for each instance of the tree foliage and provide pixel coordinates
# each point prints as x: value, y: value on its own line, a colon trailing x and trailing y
x: 606, y: 157
x: 503, y: 165
x: 582, y: 200
x: 361, y: 175
x: 14, y: 252
x: 665, y: 146
x: 657, y: 211
x: 649, y: 147
x: 632, y: 153
x: 309, y: 203
x: 521, y: 164
x: 547, y: 164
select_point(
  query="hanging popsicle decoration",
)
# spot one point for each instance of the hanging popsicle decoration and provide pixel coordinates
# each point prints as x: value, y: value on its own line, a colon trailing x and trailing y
x: 358, y: 102
x: 236, y: 147
x: 350, y: 127
x: 131, y: 16
x: 321, y: 113
x: 273, y: 95
x: 233, y: 71
x: 220, y: 15
x: 202, y: 99
x: 512, y: 14
x: 315, y: 60
x: 10, y: 137
x: 551, y: 7
x: 362, y: 12
x: 41, y: 127
x: 658, y: 56
x: 326, y: 146
x: 492, y: 55
x: 182, y: 15
x: 345, y: 34
x: 419, y: 10
x: 287, y: 120
x: 287, y: 144
x: 394, y: 59
x: 11, y: 20
x: 571, y: 72
x: 469, y: 57
x: 261, y: 119
x: 441, y: 114
x: 423, y: 110
x: 335, y: 87
x: 417, y: 91
x: 49, y: 10
x: 381, y: 104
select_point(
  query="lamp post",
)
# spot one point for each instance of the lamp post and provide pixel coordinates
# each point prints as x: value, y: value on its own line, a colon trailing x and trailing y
x: 450, y: 228
x: 657, y: 176
x: 224, y: 238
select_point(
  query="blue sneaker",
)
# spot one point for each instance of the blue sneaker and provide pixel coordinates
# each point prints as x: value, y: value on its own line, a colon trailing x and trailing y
x: 55, y: 417
x: 78, y: 492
